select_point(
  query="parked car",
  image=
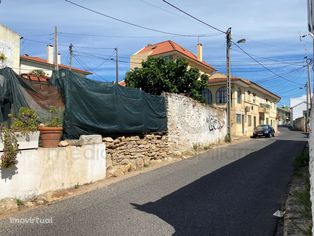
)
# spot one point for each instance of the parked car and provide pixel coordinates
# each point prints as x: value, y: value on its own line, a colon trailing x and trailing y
x: 264, y: 130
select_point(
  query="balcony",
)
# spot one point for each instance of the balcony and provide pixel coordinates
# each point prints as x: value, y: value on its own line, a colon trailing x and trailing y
x: 264, y: 108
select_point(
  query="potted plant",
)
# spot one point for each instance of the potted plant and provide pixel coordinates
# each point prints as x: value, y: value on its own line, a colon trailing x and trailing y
x: 9, y: 148
x: 51, y: 130
x: 23, y: 128
x: 22, y: 134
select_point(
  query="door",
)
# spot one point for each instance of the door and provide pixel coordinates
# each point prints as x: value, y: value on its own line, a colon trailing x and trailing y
x: 254, y: 122
x: 242, y: 124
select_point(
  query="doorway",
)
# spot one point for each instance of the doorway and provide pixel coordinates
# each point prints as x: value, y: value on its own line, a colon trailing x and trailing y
x: 242, y: 124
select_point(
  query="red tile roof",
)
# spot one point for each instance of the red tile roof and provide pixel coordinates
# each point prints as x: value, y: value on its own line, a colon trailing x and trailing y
x: 170, y: 46
x: 43, y: 61
x: 122, y: 83
x: 248, y: 82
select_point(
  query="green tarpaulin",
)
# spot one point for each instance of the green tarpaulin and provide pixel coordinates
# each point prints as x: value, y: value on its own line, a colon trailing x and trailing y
x: 93, y: 107
x: 90, y: 107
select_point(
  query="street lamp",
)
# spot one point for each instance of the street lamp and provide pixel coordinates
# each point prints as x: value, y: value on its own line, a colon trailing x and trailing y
x: 229, y: 42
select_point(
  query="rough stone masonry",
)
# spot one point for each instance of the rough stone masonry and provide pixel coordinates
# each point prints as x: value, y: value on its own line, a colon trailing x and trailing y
x: 125, y: 154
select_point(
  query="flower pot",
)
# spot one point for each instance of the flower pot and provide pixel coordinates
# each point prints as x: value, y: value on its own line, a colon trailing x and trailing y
x: 26, y: 141
x: 50, y: 136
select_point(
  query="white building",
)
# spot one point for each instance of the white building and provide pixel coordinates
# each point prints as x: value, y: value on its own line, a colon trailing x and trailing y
x: 9, y: 48
x: 31, y: 63
x: 297, y: 107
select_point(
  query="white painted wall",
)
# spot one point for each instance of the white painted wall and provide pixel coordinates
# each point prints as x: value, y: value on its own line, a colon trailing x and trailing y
x: 311, y: 165
x: 10, y: 47
x: 297, y: 111
x: 192, y: 123
x: 49, y: 169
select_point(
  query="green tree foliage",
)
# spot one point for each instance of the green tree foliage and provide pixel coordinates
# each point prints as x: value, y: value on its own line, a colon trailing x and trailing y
x: 159, y: 75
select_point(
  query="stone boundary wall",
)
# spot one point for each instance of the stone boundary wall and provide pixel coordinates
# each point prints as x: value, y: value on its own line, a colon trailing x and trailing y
x: 311, y: 164
x: 192, y: 124
x: 125, y: 154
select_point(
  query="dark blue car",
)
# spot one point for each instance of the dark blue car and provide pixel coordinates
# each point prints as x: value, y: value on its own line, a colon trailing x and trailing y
x: 264, y: 130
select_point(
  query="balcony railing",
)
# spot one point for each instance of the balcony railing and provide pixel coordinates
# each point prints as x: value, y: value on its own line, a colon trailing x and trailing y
x: 263, y: 107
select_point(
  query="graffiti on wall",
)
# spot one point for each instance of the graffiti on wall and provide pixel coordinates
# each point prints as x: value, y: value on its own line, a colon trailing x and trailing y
x: 214, y: 123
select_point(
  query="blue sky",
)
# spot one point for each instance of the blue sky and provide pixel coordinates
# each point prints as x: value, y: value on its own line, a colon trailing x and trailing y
x: 271, y: 30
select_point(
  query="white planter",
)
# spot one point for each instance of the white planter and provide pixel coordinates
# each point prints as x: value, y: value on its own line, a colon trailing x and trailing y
x: 29, y: 141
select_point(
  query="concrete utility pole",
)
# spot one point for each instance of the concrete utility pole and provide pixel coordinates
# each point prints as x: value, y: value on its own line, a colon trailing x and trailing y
x: 56, y: 49
x: 117, y: 68
x: 228, y: 38
x: 71, y: 54
x: 309, y: 62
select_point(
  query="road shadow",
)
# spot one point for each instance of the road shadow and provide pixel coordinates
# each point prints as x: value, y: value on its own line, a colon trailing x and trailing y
x: 238, y: 199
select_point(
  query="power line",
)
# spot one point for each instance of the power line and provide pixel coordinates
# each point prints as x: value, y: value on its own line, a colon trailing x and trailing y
x: 87, y: 68
x: 211, y: 26
x: 127, y: 22
x: 65, y: 34
x: 261, y: 64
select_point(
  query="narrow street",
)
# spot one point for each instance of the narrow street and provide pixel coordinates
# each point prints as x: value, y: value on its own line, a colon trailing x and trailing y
x: 232, y: 190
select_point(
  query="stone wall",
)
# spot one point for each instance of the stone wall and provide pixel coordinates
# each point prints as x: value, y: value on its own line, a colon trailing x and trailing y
x: 125, y: 154
x: 192, y: 124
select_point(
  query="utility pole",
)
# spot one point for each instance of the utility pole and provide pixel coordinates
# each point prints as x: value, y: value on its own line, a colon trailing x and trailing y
x: 117, y: 68
x: 228, y: 38
x: 56, y: 49
x: 308, y: 62
x: 71, y: 54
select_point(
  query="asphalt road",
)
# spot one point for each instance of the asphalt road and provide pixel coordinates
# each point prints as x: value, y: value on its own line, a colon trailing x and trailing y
x: 232, y: 190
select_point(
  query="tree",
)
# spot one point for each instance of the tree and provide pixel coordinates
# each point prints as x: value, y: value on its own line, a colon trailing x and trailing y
x: 159, y: 75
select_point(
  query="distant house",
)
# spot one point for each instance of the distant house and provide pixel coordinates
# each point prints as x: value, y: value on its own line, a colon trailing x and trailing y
x: 10, y: 56
x: 30, y: 63
x: 251, y: 104
x: 297, y: 107
x: 283, y: 114
x: 172, y: 51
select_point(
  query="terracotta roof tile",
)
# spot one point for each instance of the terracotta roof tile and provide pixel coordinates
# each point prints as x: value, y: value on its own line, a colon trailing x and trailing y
x: 43, y: 61
x: 170, y: 46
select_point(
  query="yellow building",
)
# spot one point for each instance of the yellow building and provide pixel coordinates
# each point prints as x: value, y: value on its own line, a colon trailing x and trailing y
x: 171, y: 50
x: 251, y: 105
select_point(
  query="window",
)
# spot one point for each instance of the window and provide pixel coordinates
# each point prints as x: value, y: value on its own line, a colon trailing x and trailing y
x: 238, y: 119
x: 249, y: 117
x: 207, y: 95
x: 249, y: 96
x: 267, y: 121
x: 239, y: 95
x: 221, y: 95
x: 254, y: 98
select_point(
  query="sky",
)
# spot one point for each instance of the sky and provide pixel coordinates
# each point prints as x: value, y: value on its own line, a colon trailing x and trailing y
x: 271, y: 28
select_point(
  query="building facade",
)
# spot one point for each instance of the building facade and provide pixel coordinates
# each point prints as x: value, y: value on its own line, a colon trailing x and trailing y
x: 251, y: 104
x: 283, y: 114
x: 9, y: 48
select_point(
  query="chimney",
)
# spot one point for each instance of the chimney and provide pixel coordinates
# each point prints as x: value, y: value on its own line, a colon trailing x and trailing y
x: 200, y: 52
x: 59, y: 58
x: 50, y: 54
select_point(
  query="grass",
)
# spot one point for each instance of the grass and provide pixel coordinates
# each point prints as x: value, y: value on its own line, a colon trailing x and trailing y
x: 19, y: 202
x: 301, y: 162
x: 76, y: 186
x: 301, y: 169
